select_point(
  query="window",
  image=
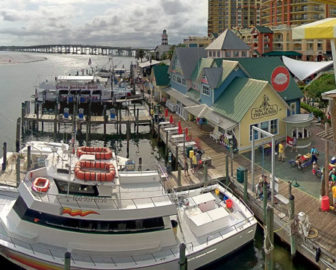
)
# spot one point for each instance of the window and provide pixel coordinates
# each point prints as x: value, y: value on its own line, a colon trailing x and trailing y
x: 227, y: 53
x: 218, y: 53
x: 206, y: 90
x: 255, y: 133
x: 94, y: 226
x: 292, y: 108
x: 264, y: 126
x: 274, y: 126
x: 183, y: 81
x: 243, y: 54
x: 236, y: 53
x: 178, y: 79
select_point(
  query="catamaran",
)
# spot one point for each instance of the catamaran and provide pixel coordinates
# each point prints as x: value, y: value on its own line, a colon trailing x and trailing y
x: 82, y: 201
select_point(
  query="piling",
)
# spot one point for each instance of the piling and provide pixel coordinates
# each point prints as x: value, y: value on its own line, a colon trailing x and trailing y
x: 128, y: 127
x: 179, y: 183
x: 23, y: 113
x: 55, y: 122
x: 205, y: 166
x: 183, y: 259
x: 227, y: 177
x: 245, y: 186
x: 231, y: 150
x: 265, y: 198
x: 291, y: 212
x: 177, y: 157
x: 166, y: 148
x: 140, y: 164
x: 67, y: 260
x: 134, y: 116
x: 18, y: 136
x: 269, y: 239
x: 105, y: 119
x: 17, y: 168
x: 137, y: 121
x: 4, y: 157
x: 29, y: 161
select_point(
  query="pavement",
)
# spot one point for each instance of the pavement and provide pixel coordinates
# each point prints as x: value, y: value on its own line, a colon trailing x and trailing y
x: 307, y: 181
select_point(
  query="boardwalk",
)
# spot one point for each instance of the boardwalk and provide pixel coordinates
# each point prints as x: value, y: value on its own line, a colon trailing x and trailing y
x: 323, y: 222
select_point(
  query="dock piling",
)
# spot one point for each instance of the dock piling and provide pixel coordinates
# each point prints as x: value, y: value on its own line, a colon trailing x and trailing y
x: 176, y: 157
x: 183, y: 259
x: 166, y: 147
x: 265, y: 195
x: 179, y: 183
x: 18, y: 136
x: 227, y: 177
x: 67, y: 260
x: 269, y: 239
x: 128, y: 129
x: 4, y: 157
x: 140, y: 164
x: 17, y: 170
x: 205, y: 166
x: 137, y: 121
x: 245, y: 186
x: 29, y: 161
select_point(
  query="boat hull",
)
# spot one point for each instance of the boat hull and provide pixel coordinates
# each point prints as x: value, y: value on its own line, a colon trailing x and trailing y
x: 198, y: 259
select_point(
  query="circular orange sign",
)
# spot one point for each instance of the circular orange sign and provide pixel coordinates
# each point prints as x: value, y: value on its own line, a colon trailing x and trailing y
x: 280, y: 79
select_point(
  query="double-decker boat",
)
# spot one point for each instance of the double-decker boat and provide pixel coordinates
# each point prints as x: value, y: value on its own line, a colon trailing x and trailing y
x: 80, y: 202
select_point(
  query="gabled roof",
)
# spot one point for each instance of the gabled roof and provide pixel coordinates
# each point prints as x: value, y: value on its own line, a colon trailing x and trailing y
x: 228, y: 41
x: 264, y: 29
x: 213, y: 75
x: 161, y: 75
x: 238, y: 98
x: 261, y: 68
x: 188, y: 58
x: 202, y: 63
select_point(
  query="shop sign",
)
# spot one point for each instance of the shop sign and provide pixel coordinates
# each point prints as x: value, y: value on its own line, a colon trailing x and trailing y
x: 280, y: 79
x: 265, y: 109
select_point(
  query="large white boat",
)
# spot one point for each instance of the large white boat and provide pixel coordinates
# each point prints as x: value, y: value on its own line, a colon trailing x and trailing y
x: 80, y: 202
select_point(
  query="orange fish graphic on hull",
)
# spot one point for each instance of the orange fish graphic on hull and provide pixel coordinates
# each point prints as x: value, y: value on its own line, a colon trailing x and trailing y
x: 77, y: 212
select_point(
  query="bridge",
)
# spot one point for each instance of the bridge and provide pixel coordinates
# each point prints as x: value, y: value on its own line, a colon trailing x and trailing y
x: 76, y: 49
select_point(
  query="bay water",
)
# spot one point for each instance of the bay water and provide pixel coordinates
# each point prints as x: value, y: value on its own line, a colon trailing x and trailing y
x: 21, y: 73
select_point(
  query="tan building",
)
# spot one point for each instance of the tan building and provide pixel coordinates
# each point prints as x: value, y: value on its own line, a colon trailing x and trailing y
x: 197, y: 41
x: 223, y: 14
x: 282, y: 16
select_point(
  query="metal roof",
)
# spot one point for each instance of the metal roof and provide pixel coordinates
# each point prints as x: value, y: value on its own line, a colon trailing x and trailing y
x: 238, y: 98
x: 299, y: 118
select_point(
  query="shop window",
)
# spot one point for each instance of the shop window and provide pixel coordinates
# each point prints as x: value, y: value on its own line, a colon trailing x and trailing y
x: 264, y: 126
x: 206, y: 90
x: 255, y: 133
x: 274, y: 126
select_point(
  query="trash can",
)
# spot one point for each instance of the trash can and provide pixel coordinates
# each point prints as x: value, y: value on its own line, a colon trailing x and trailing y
x: 241, y: 174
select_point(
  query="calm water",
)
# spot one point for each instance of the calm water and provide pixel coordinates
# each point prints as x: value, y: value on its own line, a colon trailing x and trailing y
x: 18, y: 81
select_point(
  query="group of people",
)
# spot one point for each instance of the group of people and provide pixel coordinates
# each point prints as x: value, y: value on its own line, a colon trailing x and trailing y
x: 260, y: 187
x: 195, y: 161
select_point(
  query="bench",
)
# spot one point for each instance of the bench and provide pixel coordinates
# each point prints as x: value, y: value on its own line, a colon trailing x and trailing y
x: 281, y: 199
x: 215, y: 136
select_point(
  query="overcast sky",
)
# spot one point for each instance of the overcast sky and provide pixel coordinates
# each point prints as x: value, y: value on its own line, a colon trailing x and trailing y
x: 135, y: 23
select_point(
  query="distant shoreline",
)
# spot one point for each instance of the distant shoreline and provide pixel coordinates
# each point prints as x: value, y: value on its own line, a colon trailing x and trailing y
x: 7, y: 59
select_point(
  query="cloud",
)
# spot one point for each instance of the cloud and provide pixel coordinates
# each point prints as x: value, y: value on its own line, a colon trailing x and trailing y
x: 102, y: 22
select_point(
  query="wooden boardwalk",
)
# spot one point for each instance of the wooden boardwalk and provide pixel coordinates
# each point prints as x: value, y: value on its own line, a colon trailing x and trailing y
x: 324, y: 223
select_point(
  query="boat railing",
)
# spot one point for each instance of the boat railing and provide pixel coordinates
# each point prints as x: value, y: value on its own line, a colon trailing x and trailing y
x: 221, y: 233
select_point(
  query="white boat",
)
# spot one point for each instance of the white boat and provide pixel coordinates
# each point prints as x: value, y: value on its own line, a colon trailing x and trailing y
x: 110, y: 219
x: 66, y: 88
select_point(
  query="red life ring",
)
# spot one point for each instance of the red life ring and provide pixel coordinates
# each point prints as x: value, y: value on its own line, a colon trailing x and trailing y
x: 106, y: 171
x: 41, y: 184
x: 99, y: 152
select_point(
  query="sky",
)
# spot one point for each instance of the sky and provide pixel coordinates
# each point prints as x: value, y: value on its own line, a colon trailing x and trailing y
x: 130, y: 23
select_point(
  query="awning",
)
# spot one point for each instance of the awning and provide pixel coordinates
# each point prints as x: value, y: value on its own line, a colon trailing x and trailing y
x: 148, y: 63
x: 282, y: 53
x: 204, y: 111
x: 193, y: 94
x: 180, y: 97
x: 304, y: 69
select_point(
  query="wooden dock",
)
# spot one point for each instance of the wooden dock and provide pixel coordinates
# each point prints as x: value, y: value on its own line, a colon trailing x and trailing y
x: 322, y: 223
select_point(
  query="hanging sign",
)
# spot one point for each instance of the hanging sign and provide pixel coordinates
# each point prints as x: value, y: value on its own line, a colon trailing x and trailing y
x: 280, y: 79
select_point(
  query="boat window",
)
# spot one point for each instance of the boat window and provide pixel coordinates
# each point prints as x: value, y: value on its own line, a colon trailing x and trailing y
x: 75, y: 224
x: 96, y: 92
x: 74, y: 92
x: 85, y: 92
x: 63, y: 92
x: 75, y: 189
x: 64, y: 171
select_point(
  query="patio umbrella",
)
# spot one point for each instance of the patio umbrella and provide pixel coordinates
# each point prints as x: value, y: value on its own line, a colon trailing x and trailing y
x: 171, y: 120
x: 322, y: 29
x: 166, y: 112
x: 180, y: 131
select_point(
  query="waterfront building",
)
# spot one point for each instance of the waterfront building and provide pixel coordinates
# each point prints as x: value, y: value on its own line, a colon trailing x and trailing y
x: 227, y: 14
x: 159, y: 80
x: 232, y: 95
x: 259, y: 38
x: 227, y: 44
x: 162, y: 50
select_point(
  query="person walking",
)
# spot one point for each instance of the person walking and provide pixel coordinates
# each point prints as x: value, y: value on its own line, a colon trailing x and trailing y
x: 281, y: 152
